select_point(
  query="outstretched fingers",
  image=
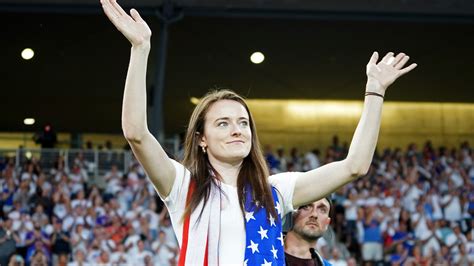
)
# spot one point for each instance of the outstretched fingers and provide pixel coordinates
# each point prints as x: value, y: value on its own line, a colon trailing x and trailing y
x: 374, y: 58
x: 135, y: 15
x: 407, y: 69
x: 388, y: 58
x: 398, y: 58
x: 118, y: 8
x: 114, y: 12
x: 111, y: 13
x: 402, y: 62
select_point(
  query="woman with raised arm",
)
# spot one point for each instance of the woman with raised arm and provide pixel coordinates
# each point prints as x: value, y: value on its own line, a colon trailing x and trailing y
x: 224, y: 206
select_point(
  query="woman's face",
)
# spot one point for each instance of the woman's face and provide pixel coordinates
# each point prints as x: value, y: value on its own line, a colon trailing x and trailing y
x: 227, y: 135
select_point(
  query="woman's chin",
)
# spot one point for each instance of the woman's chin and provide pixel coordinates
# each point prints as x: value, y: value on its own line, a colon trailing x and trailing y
x: 233, y: 158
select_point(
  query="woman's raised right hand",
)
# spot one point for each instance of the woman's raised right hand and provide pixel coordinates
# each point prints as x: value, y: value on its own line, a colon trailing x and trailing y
x: 132, y: 26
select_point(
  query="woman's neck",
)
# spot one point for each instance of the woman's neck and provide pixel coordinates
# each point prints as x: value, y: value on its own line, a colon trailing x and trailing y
x: 229, y: 171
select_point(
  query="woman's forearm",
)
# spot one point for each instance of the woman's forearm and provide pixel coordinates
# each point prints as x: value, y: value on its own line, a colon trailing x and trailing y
x: 380, y: 75
x: 134, y: 118
x: 366, y: 134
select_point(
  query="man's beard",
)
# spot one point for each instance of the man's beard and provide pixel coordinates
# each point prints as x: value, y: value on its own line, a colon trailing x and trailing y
x: 307, y: 233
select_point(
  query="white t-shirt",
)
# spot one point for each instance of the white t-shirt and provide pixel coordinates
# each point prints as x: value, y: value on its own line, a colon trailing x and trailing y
x: 432, y: 244
x: 80, y: 202
x: 136, y: 257
x: 74, y: 263
x: 389, y: 201
x: 60, y: 210
x: 118, y: 257
x: 457, y: 179
x: 232, y: 234
x: 170, y: 235
x: 373, y: 201
x: 153, y: 219
x: 132, y: 241
x: 311, y: 161
x: 411, y: 197
x: 450, y: 240
x: 163, y: 255
x: 437, y: 212
x: 453, y: 211
x: 339, y: 262
x: 421, y: 228
x: 470, y: 250
x: 351, y: 210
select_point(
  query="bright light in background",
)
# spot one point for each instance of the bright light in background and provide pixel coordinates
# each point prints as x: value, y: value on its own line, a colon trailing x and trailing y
x: 27, y: 53
x: 194, y: 100
x: 257, y: 58
x: 28, y: 155
x: 324, y: 108
x: 29, y: 121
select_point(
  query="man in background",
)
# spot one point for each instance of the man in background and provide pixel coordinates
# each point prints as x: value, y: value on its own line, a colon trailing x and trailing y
x: 310, y: 222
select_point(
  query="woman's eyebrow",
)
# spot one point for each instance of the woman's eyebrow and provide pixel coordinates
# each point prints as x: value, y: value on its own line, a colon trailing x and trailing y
x: 221, y: 118
x: 228, y: 118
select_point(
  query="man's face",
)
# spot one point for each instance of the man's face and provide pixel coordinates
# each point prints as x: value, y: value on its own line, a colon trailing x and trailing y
x: 312, y: 220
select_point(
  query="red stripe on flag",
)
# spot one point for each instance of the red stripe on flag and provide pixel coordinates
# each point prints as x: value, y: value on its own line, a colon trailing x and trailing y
x: 205, y: 255
x: 184, y: 246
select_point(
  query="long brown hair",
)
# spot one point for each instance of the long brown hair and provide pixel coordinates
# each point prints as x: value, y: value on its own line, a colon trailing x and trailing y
x: 253, y: 171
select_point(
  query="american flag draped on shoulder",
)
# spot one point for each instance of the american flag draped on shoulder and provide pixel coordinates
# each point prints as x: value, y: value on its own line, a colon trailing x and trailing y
x: 264, y: 237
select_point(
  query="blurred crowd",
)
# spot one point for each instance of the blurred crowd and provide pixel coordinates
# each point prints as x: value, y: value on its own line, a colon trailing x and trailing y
x: 60, y: 217
x: 414, y: 207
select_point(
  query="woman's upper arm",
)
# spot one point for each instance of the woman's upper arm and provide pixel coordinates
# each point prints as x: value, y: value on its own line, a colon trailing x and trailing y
x: 156, y: 163
x: 315, y: 184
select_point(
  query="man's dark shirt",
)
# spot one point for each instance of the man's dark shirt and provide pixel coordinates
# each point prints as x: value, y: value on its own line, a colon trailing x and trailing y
x: 294, y: 261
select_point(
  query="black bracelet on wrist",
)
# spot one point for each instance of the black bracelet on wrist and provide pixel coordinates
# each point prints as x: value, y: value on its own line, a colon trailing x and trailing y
x: 374, y: 94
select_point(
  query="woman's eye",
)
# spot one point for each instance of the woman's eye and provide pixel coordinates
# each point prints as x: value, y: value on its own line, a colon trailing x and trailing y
x: 244, y: 123
x: 222, y: 124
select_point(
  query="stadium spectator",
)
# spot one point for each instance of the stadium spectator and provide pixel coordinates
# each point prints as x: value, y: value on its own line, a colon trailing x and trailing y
x: 46, y: 138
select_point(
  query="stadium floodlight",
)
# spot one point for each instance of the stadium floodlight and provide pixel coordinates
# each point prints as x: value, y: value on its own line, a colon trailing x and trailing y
x: 257, y: 58
x: 27, y: 53
x: 194, y: 100
x: 29, y: 121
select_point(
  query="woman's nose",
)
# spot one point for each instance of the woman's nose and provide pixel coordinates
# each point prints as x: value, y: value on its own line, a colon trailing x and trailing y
x: 236, y: 130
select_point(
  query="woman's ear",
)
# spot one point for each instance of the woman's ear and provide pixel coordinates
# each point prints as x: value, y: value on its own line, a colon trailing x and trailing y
x: 202, y: 139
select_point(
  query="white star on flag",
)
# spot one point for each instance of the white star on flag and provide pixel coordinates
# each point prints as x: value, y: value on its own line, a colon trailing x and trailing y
x: 263, y: 233
x: 253, y: 246
x: 266, y: 263
x: 281, y: 238
x: 272, y: 220
x: 274, y: 251
x: 249, y: 216
x: 278, y: 207
x: 245, y: 262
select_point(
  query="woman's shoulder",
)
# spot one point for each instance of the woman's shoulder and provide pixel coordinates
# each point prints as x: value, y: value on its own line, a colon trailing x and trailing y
x: 283, y: 177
